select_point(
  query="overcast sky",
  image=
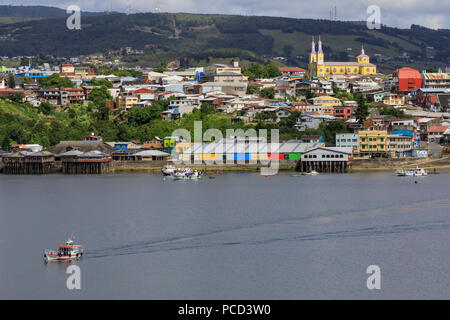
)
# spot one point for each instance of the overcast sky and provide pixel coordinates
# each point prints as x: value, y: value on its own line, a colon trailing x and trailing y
x: 398, y: 13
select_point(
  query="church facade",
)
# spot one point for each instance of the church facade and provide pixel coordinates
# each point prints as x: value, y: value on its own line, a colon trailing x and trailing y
x: 319, y: 68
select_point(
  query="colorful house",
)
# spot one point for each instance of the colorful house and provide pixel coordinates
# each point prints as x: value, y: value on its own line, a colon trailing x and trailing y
x: 342, y: 112
x: 347, y: 140
x: 169, y: 143
x: 372, y: 142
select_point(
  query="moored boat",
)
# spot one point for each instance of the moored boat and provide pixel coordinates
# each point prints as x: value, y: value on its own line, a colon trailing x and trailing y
x: 411, y: 173
x: 186, y: 174
x: 310, y: 173
x: 168, y: 170
x: 66, y: 252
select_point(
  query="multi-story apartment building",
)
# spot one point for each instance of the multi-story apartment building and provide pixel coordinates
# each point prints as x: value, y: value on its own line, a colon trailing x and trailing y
x: 372, y: 142
x: 126, y: 102
x: 400, y: 146
x: 347, y: 140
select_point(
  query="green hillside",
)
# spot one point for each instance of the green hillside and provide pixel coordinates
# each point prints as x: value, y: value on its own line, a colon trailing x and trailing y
x: 201, y: 39
x: 14, y: 14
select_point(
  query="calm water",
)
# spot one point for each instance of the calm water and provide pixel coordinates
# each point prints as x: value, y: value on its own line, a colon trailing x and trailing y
x: 239, y: 236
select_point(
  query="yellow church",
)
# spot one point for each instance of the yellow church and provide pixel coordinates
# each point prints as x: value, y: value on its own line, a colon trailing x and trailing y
x: 319, y: 68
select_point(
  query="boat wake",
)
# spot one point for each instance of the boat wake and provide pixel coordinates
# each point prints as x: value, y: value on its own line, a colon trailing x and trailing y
x: 257, y: 234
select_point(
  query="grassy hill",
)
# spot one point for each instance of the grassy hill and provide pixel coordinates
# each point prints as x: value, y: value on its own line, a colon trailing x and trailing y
x: 203, y: 38
x: 14, y: 14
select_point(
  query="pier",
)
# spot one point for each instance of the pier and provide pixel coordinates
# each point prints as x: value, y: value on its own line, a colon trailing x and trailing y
x: 326, y: 159
x: 324, y: 166
x: 28, y: 163
x: 76, y: 162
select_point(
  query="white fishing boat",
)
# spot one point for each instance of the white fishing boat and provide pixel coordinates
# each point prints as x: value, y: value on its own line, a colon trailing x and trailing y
x: 168, y: 170
x: 66, y: 252
x: 411, y: 173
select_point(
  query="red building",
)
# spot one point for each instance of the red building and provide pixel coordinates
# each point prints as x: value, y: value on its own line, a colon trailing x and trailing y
x: 292, y: 71
x: 342, y: 112
x: 408, y: 79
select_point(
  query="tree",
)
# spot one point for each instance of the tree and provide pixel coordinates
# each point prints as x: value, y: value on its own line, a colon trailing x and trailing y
x: 268, y: 93
x: 258, y: 71
x: 11, y: 81
x: 310, y: 94
x: 5, y: 143
x: 362, y: 112
x: 46, y: 108
x: 207, y: 108
x: 99, y: 96
x: 255, y: 71
x: 101, y: 82
x: 55, y: 81
x: 398, y: 113
x: 16, y: 97
x: 272, y: 71
x: 252, y: 89
x: 291, y: 120
x: 329, y: 130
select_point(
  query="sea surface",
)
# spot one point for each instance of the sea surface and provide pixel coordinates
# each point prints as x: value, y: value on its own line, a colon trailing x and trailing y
x: 238, y: 236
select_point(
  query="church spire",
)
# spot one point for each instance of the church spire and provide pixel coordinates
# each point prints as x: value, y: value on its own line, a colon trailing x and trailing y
x: 320, y: 46
x: 313, y: 47
x: 362, y: 50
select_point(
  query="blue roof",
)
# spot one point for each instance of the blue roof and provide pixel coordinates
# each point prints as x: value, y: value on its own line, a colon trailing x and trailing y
x: 404, y: 132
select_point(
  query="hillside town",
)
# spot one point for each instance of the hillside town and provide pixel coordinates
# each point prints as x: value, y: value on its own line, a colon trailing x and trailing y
x: 403, y: 115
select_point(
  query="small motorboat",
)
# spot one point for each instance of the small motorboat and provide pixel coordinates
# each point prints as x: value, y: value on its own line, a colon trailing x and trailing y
x: 310, y: 173
x: 411, y: 173
x: 168, y: 170
x: 186, y: 174
x: 69, y: 251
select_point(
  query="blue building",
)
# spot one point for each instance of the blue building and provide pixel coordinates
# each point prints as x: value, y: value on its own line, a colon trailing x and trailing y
x: 347, y: 140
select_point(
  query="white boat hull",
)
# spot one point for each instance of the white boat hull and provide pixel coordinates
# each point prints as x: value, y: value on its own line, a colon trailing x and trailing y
x: 411, y: 173
x: 48, y: 258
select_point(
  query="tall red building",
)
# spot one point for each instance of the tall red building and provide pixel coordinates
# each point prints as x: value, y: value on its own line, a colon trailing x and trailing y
x: 408, y: 79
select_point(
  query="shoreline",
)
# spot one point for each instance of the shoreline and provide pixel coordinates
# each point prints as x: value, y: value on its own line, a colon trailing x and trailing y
x: 358, y: 165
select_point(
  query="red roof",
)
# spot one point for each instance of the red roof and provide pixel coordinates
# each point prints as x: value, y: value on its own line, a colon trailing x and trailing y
x: 291, y: 69
x: 407, y: 73
x: 437, y: 129
x: 143, y: 91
